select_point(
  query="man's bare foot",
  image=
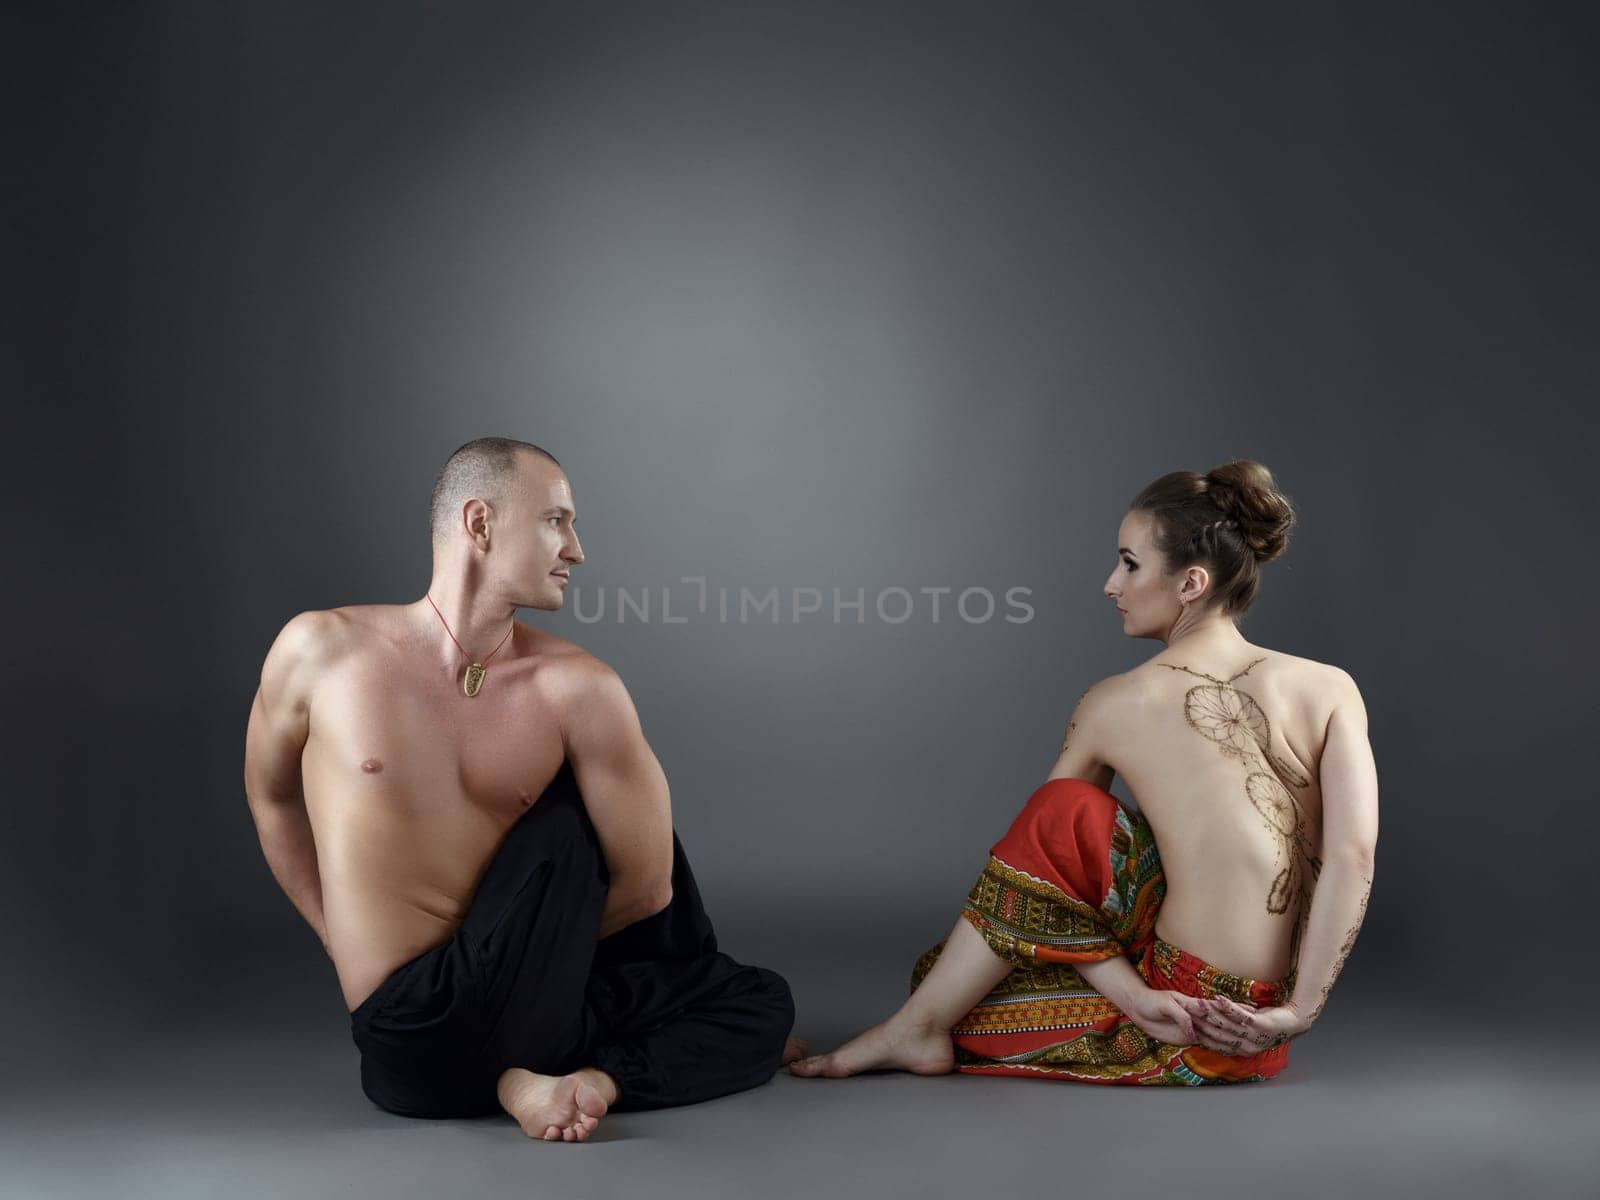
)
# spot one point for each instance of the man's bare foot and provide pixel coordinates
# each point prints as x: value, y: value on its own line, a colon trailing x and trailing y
x: 556, y: 1108
x: 794, y: 1048
x: 899, y: 1044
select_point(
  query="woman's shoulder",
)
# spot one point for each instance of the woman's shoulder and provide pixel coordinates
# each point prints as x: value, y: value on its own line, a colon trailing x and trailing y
x: 1291, y: 676
x: 1278, y: 662
x: 1321, y: 676
x: 1111, y: 690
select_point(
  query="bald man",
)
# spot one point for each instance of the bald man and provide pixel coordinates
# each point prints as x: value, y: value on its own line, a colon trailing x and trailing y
x: 465, y: 810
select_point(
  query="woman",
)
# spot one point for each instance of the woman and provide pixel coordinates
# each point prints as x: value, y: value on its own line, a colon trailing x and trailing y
x: 1081, y: 954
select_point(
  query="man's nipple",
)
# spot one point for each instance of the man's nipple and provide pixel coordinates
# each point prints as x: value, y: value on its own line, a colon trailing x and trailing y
x: 372, y: 766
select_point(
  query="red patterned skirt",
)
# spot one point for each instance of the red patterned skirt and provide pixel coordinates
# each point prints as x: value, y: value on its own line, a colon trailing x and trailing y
x: 1077, y: 879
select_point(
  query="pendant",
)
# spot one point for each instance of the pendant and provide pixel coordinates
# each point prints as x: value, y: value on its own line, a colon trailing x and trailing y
x: 474, y: 679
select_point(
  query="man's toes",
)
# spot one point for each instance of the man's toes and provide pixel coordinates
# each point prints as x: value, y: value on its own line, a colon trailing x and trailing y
x: 589, y: 1101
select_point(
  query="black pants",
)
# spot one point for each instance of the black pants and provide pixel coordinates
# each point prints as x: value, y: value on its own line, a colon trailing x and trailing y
x: 524, y: 983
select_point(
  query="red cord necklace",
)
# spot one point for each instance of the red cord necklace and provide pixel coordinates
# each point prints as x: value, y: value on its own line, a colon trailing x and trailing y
x: 476, y: 670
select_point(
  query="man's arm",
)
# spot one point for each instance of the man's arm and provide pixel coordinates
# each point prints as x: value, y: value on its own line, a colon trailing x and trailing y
x: 1349, y: 780
x: 279, y: 726
x: 625, y: 793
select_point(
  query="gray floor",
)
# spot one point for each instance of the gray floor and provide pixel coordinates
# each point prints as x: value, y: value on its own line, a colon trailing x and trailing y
x: 261, y: 1099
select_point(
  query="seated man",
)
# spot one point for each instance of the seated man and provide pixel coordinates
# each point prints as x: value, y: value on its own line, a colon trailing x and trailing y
x: 466, y: 811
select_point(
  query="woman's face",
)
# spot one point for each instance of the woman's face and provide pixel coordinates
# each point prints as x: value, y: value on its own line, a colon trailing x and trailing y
x: 1145, y: 596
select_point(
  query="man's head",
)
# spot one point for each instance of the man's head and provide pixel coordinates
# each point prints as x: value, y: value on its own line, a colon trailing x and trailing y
x: 507, y: 506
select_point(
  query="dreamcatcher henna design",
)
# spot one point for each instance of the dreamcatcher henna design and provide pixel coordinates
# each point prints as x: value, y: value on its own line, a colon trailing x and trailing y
x: 1233, y: 719
x: 1277, y: 805
x: 1221, y: 713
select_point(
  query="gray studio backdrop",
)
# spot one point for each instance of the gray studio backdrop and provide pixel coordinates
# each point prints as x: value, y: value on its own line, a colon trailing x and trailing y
x: 836, y: 298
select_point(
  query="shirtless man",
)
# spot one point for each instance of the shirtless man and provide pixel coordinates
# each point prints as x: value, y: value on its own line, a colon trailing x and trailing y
x: 1083, y: 955
x: 465, y: 810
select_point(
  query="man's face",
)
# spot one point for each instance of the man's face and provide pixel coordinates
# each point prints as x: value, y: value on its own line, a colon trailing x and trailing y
x: 537, y: 530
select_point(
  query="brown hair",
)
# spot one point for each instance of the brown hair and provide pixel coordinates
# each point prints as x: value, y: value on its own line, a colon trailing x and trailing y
x: 1231, y: 519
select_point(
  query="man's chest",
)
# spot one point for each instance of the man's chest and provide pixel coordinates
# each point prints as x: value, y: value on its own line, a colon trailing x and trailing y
x: 394, y: 733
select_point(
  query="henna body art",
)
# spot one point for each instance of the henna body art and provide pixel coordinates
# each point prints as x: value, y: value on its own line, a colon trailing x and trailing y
x: 1231, y: 718
x: 1344, y: 950
x: 1072, y: 724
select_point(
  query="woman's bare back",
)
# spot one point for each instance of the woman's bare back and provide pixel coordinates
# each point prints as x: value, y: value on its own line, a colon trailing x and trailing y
x: 1220, y: 748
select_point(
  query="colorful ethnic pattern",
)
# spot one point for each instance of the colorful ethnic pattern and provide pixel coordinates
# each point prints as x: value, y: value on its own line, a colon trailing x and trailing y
x: 1077, y: 879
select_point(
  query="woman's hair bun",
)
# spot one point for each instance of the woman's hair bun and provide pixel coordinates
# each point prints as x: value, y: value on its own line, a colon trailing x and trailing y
x: 1247, y: 495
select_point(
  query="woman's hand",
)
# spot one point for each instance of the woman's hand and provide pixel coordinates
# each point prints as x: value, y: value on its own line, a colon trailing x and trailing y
x: 1163, y: 1016
x: 1231, y: 1028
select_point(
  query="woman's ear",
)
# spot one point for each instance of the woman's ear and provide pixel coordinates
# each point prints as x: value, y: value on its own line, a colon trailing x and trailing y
x: 1195, y: 581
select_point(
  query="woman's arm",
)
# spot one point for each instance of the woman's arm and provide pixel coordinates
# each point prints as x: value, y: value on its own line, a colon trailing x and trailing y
x: 1079, y: 757
x: 1350, y: 837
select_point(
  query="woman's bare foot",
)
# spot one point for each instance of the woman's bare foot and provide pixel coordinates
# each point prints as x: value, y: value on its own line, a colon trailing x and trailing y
x: 901, y: 1043
x: 556, y: 1108
x: 794, y: 1048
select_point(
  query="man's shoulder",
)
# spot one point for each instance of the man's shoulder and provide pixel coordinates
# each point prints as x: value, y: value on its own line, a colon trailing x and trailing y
x: 345, y: 627
x: 566, y: 667
x: 312, y: 636
x: 588, y: 695
x: 557, y: 653
x: 304, y: 648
